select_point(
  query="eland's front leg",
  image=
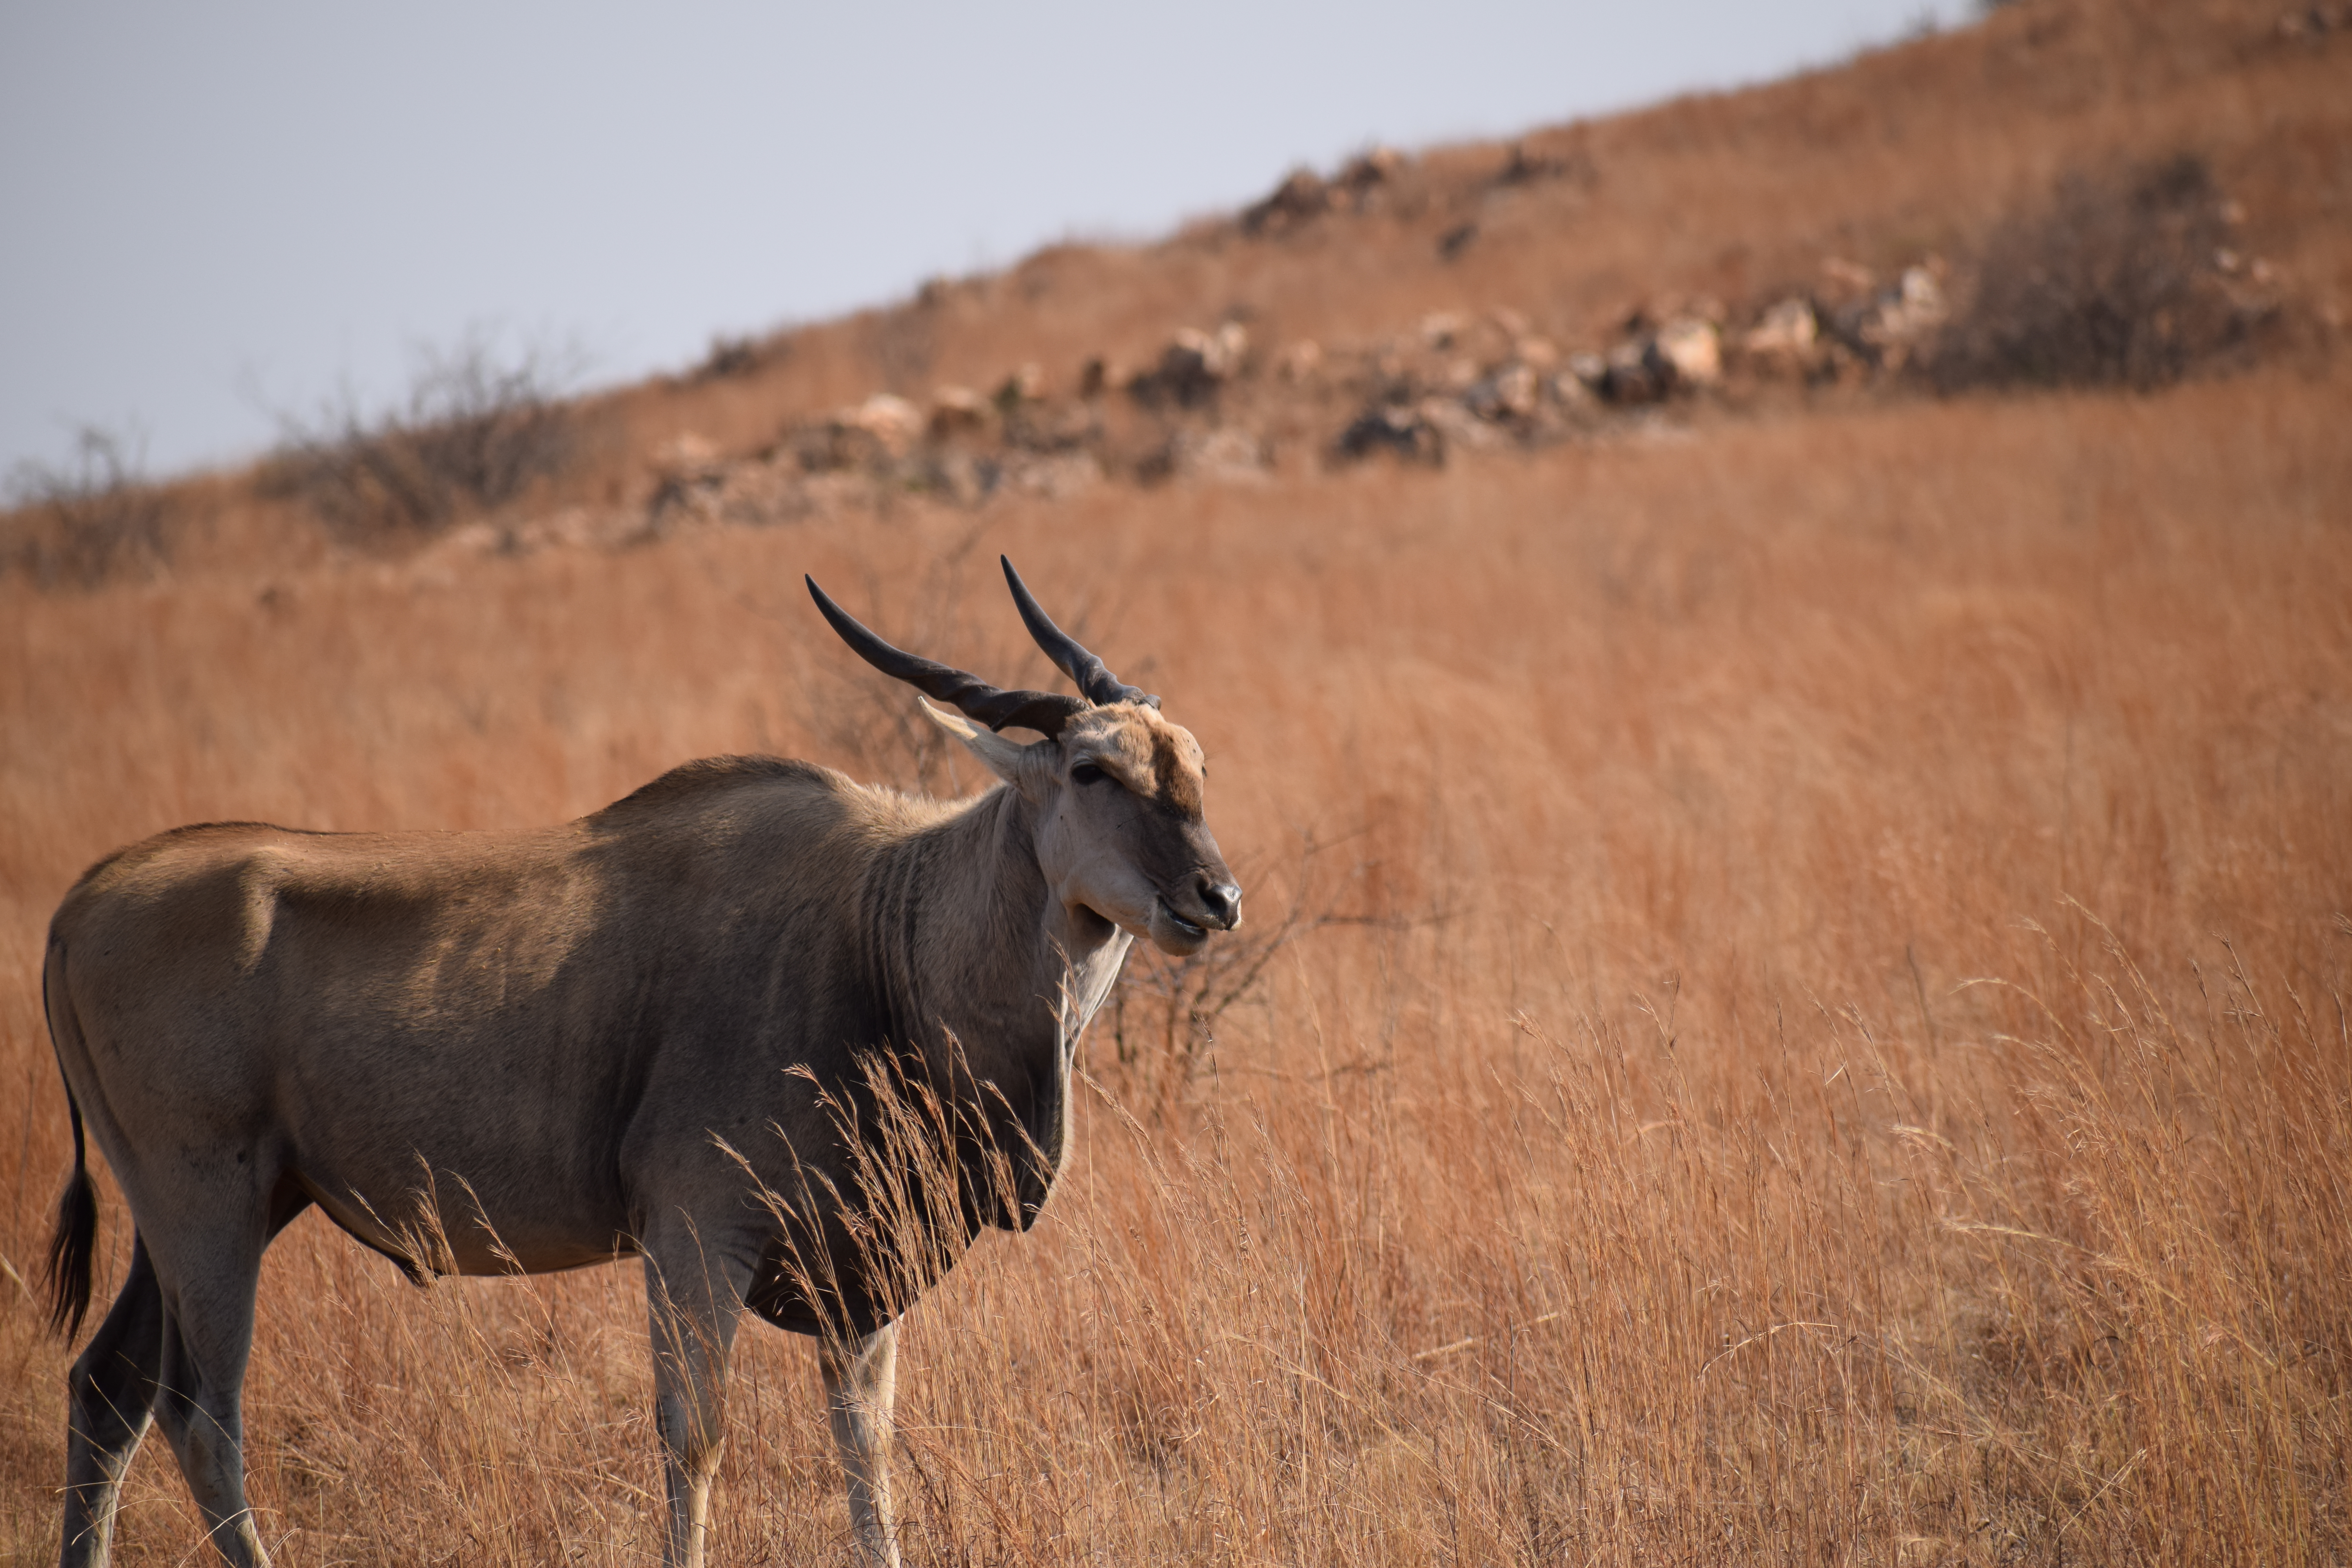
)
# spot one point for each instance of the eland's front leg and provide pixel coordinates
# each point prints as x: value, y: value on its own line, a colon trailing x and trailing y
x: 696, y: 1298
x: 861, y: 1382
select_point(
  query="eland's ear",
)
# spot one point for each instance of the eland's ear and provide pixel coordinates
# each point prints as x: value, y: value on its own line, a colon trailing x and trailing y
x: 1003, y: 757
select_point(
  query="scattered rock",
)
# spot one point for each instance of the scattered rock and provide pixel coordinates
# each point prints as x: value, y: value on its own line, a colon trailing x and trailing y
x: 1393, y: 427
x: 1300, y: 361
x: 1572, y: 390
x: 1691, y: 351
x: 1227, y: 454
x: 1847, y: 276
x: 1512, y: 392
x: 1633, y: 375
x: 1916, y: 305
x: 713, y: 490
x: 890, y: 419
x: 957, y: 411
x: 1455, y: 425
x: 873, y: 433
x: 1787, y: 335
x: 1886, y: 326
x: 686, y: 454
x: 1684, y: 355
x: 1460, y: 379
x: 686, y: 466
x: 1048, y: 427
x: 1455, y: 240
x: 1053, y: 475
x: 1192, y: 367
x: 960, y: 476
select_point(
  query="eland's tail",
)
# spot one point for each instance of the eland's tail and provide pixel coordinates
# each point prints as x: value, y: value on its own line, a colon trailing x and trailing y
x: 71, y: 1244
x: 76, y: 1236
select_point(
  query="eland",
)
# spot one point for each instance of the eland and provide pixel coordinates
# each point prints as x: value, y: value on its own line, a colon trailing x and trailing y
x: 651, y: 1032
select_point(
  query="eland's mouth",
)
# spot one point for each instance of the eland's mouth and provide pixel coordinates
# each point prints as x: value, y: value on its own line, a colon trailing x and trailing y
x: 1185, y: 927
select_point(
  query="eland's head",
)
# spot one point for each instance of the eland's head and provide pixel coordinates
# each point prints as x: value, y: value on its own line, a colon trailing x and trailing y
x: 1118, y: 790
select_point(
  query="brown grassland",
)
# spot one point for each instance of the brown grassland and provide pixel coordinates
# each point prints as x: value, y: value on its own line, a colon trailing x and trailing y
x: 1795, y: 1003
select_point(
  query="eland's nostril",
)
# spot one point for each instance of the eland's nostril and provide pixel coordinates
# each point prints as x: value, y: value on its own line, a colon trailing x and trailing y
x: 1224, y: 903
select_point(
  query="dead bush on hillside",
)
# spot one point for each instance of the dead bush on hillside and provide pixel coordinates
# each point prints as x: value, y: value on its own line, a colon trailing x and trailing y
x: 85, y: 521
x: 731, y: 355
x: 2123, y: 279
x: 477, y: 429
x: 1303, y: 197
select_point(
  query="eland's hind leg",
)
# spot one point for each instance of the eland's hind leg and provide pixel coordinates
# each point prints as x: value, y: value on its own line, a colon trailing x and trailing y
x: 208, y: 1283
x: 861, y: 1383
x: 110, y: 1395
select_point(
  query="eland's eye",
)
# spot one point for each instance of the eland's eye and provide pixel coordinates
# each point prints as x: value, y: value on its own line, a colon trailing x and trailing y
x: 1087, y: 773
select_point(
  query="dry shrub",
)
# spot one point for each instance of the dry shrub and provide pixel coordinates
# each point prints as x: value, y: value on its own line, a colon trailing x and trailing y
x: 1160, y: 1028
x: 475, y: 431
x: 2120, y: 280
x: 80, y: 524
x: 733, y: 354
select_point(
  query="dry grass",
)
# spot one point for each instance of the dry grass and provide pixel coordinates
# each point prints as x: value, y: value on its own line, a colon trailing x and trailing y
x: 1843, y: 1058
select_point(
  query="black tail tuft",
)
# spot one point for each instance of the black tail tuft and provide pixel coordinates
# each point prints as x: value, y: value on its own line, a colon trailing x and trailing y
x: 71, y: 1244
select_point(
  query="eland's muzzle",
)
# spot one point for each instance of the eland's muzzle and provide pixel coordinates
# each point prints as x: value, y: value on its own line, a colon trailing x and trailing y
x: 1223, y: 902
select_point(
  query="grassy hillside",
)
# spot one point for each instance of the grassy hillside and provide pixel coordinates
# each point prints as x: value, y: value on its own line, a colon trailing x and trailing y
x: 1804, y: 917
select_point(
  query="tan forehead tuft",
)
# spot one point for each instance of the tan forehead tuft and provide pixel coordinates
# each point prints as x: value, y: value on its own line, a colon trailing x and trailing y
x: 1152, y: 756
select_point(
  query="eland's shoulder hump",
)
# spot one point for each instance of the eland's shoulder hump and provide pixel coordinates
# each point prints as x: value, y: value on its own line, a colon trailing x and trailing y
x: 707, y: 777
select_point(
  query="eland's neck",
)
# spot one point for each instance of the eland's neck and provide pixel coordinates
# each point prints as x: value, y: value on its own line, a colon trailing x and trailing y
x: 967, y: 936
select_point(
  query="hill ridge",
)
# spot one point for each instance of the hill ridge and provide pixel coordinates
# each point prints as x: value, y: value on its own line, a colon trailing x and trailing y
x: 1800, y: 241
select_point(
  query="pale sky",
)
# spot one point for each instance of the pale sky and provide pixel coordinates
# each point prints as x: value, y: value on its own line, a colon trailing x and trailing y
x: 216, y: 214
